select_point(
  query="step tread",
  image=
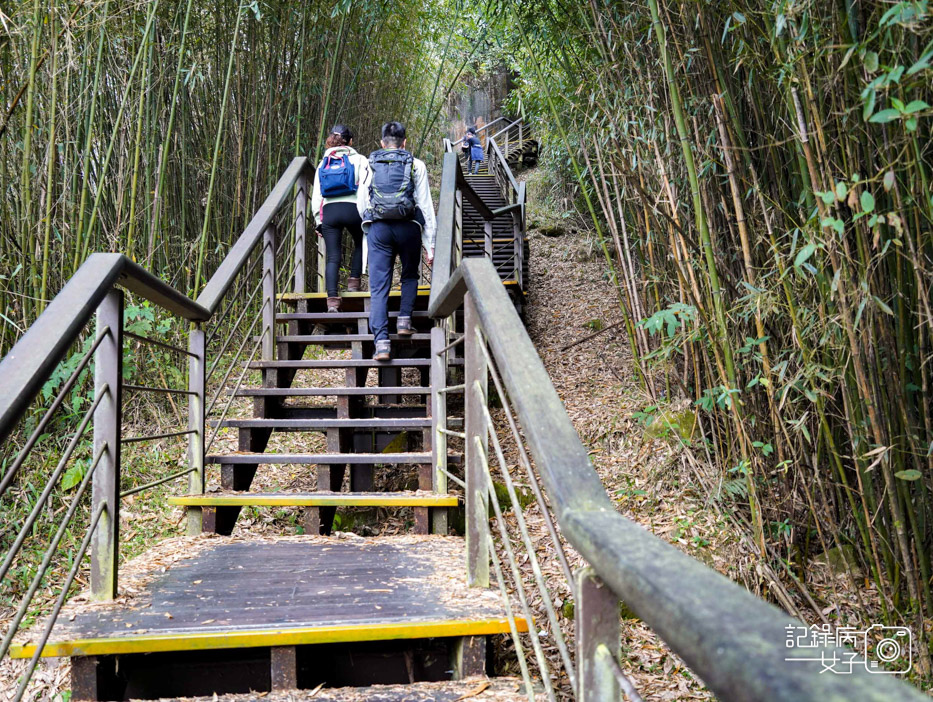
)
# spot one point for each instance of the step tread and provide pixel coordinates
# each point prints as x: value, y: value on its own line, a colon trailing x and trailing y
x: 423, y: 291
x: 322, y: 339
x: 349, y: 363
x: 317, y: 458
x: 326, y: 392
x: 374, y: 423
x: 317, y: 499
x: 204, y: 593
x: 337, y: 316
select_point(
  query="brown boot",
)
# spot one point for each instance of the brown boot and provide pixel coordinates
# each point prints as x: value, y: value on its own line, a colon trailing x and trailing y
x: 333, y: 304
x: 353, y: 284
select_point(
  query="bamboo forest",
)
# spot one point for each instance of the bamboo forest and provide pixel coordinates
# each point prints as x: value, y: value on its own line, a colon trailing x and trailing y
x: 630, y: 398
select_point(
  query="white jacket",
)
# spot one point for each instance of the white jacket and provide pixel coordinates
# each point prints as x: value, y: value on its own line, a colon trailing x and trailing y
x: 361, y: 173
x: 422, y: 199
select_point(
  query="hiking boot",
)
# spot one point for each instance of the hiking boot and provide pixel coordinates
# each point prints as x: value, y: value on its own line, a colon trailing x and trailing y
x: 404, y: 326
x: 383, y: 351
x: 353, y: 284
x: 333, y: 304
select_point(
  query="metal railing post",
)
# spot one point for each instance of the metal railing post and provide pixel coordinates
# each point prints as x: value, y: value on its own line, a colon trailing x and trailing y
x: 439, y: 422
x: 476, y: 448
x: 301, y: 229
x: 596, y: 620
x: 268, y: 293
x: 196, y: 400
x: 108, y: 374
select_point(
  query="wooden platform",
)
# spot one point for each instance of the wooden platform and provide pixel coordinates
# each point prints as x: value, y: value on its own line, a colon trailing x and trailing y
x: 201, y: 593
x: 478, y: 689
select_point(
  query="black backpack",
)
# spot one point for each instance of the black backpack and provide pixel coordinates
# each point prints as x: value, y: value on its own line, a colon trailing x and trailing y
x: 392, y: 191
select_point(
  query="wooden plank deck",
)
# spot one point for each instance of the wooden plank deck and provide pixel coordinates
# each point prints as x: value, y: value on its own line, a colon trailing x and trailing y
x: 198, y: 593
x: 500, y: 689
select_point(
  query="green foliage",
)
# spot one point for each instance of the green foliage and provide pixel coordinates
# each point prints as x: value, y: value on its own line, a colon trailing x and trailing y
x: 809, y: 132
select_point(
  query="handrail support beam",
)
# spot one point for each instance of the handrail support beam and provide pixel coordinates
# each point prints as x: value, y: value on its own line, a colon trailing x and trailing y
x: 108, y: 376
x: 476, y: 447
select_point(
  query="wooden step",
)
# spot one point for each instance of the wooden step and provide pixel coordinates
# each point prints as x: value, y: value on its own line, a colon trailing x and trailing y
x: 348, y: 363
x: 337, y: 316
x: 318, y: 458
x: 423, y: 291
x: 390, y: 424
x: 331, y: 392
x: 325, y: 339
x: 226, y: 593
x: 316, y: 499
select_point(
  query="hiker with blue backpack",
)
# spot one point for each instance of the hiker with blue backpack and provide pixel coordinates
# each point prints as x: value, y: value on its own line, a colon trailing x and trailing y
x: 398, y: 217
x: 333, y: 201
x: 474, y: 149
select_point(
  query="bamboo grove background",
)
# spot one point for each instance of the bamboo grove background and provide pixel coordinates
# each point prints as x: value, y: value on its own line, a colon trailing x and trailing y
x: 156, y: 128
x: 759, y: 178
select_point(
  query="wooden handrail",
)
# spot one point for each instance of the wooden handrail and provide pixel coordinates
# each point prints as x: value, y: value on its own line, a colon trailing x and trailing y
x: 506, y: 128
x: 483, y: 128
x: 25, y: 369
x: 238, y: 255
x: 733, y: 640
x: 492, y: 148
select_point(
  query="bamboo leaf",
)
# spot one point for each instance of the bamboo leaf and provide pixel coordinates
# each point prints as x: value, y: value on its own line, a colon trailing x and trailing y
x: 922, y: 63
x: 882, y: 306
x: 888, y: 115
x: 804, y: 254
x: 911, y: 474
x: 915, y: 106
x: 867, y: 201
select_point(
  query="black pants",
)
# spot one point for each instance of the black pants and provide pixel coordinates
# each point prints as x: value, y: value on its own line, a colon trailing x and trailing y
x: 336, y: 217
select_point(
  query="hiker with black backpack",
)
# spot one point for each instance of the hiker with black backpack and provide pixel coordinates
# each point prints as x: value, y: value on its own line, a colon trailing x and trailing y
x: 333, y: 201
x: 398, y: 217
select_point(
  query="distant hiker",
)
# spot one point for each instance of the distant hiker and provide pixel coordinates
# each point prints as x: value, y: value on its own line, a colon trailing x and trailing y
x: 474, y: 149
x: 334, y: 204
x: 398, y: 216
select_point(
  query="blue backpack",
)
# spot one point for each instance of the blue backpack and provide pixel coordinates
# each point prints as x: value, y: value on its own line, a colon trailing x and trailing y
x: 337, y: 176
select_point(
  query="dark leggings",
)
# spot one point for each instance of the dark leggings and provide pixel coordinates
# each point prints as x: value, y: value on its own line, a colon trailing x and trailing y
x: 336, y: 217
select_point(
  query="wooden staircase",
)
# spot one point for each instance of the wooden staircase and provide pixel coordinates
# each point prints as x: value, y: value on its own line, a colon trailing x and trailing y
x: 267, y: 608
x: 226, y: 610
x: 369, y: 414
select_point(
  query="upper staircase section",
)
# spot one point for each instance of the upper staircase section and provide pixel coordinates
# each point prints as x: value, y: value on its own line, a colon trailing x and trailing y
x: 490, y: 214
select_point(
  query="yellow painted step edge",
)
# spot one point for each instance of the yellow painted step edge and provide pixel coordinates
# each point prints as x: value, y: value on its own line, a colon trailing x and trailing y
x: 201, y: 641
x: 312, y: 501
